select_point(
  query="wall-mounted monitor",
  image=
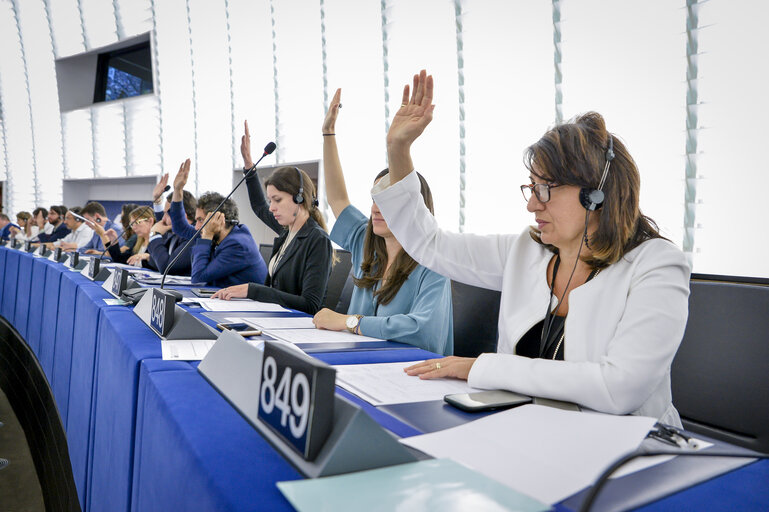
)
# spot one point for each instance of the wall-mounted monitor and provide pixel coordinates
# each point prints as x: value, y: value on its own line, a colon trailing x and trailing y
x: 124, y: 73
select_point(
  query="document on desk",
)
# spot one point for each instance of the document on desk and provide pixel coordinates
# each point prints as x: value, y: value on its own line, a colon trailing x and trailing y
x: 387, y: 383
x: 546, y: 453
x: 316, y: 336
x: 276, y: 322
x: 185, y: 350
x: 425, y: 485
x: 238, y: 305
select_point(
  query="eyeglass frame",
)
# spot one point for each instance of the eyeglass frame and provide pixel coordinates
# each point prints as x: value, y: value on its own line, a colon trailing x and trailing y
x: 533, y: 187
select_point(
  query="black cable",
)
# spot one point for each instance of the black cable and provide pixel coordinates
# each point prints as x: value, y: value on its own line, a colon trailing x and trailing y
x: 550, y: 319
x: 601, y: 482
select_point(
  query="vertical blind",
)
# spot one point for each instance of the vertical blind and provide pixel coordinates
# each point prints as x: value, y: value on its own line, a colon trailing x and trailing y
x: 502, y: 69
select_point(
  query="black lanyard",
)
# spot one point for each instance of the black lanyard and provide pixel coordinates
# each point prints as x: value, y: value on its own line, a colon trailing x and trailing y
x: 547, y: 339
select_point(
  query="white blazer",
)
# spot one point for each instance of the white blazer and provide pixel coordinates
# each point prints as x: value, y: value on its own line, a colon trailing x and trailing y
x: 622, y: 331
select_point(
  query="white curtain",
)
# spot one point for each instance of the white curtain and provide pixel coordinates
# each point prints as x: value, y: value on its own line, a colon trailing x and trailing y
x: 508, y: 104
x: 733, y: 172
x: 626, y: 60
x: 354, y: 62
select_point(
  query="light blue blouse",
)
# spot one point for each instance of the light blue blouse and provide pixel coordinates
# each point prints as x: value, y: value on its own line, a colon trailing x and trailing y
x: 420, y: 313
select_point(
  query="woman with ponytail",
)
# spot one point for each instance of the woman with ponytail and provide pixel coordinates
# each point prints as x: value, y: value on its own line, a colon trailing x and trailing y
x: 300, y: 264
x: 394, y: 297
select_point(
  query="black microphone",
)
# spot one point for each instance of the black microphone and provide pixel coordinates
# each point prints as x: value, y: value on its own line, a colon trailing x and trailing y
x: 268, y: 149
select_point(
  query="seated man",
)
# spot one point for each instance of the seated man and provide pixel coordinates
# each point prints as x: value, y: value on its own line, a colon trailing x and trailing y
x: 95, y: 212
x: 165, y: 245
x: 80, y: 234
x: 226, y: 253
x: 5, y: 227
x: 56, y: 219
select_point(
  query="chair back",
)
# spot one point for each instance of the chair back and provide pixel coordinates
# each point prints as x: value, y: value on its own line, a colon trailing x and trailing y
x: 720, y: 375
x: 266, y: 251
x: 337, y: 279
x: 476, y: 313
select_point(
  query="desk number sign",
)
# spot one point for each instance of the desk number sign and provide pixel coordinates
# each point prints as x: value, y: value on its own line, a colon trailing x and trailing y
x: 162, y: 312
x: 119, y: 281
x: 74, y: 259
x: 296, y: 398
x: 93, y: 267
x: 28, y: 246
x: 57, y: 254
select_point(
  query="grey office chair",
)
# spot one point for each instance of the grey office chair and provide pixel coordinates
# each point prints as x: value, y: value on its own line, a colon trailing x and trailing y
x: 266, y: 251
x: 337, y: 279
x: 476, y: 313
x: 720, y: 375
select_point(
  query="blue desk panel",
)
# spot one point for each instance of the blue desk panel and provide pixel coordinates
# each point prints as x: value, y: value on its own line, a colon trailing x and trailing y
x: 10, y: 275
x: 23, y: 289
x: 36, y: 295
x: 123, y: 342
x: 65, y: 325
x: 3, y: 257
x: 89, y: 307
x: 198, y: 453
x: 50, y: 316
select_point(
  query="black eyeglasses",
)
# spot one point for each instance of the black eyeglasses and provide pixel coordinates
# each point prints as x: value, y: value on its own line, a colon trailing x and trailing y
x: 541, y: 190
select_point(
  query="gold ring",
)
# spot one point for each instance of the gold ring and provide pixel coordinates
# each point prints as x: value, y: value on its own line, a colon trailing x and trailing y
x: 404, y: 104
x: 437, y: 366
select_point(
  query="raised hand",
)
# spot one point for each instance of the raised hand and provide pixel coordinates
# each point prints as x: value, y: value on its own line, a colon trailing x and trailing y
x: 180, y: 180
x: 329, y: 123
x: 232, y: 292
x: 160, y: 187
x: 245, y: 148
x: 415, y: 112
x: 214, y: 226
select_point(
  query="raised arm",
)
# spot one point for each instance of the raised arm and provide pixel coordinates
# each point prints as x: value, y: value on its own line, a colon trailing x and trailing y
x: 255, y: 193
x: 336, y: 190
x: 408, y: 124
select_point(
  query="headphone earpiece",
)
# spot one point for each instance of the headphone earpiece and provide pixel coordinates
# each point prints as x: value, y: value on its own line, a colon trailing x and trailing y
x: 299, y: 197
x: 592, y: 198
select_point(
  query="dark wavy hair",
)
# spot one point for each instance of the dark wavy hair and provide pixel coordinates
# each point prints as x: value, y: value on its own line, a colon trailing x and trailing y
x: 375, y: 255
x: 574, y: 153
x: 286, y: 179
x: 210, y: 200
x: 189, y: 203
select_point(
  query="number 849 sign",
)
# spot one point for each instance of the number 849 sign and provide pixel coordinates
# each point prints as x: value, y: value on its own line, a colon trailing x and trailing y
x: 296, y: 398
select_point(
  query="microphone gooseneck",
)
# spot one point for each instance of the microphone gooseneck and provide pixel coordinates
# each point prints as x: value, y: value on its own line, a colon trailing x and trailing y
x: 268, y: 149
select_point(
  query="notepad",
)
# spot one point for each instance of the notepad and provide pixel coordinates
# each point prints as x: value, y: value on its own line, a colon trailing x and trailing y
x: 426, y: 485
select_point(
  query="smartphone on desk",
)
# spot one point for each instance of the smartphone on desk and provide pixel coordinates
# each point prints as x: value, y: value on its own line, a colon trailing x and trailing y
x: 204, y: 292
x: 486, y: 400
x: 241, y: 328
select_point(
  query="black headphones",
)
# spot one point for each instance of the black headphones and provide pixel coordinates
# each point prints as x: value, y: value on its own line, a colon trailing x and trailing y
x: 299, y: 197
x: 592, y: 198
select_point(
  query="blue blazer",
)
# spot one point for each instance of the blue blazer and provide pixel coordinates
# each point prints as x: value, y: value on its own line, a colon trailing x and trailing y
x: 234, y: 260
x: 160, y: 256
x: 60, y: 232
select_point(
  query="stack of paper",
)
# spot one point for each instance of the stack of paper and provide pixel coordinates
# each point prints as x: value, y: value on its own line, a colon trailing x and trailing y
x: 387, y: 383
x: 543, y: 452
x: 238, y: 305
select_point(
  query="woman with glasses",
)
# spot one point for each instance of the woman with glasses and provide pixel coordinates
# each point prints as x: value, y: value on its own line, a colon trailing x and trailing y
x: 594, y: 300
x: 140, y: 221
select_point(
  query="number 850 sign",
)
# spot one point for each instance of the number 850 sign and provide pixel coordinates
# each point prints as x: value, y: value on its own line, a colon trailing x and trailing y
x: 296, y: 398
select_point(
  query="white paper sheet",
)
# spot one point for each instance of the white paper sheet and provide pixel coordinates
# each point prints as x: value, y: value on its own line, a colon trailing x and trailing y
x: 546, y: 453
x: 237, y: 305
x: 316, y: 335
x: 185, y: 350
x: 276, y: 322
x: 387, y: 383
